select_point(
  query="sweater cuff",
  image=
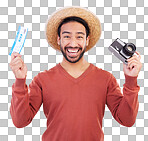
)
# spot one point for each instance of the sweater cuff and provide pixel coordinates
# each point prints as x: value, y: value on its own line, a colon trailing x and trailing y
x: 20, y: 83
x: 130, y: 81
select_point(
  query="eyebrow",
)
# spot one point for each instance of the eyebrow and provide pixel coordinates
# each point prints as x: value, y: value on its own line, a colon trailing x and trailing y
x: 81, y: 33
x: 66, y: 32
x: 70, y: 32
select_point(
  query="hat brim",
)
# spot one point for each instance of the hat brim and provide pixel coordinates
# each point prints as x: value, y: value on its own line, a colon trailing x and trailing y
x: 52, y: 24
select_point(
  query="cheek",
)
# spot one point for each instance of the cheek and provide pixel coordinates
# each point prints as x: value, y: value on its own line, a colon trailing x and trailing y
x: 64, y: 43
x: 82, y: 43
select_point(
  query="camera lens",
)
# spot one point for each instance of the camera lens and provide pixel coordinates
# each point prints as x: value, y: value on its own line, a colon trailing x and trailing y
x: 129, y: 49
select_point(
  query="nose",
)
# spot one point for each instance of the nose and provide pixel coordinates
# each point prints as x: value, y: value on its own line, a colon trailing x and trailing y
x: 73, y: 42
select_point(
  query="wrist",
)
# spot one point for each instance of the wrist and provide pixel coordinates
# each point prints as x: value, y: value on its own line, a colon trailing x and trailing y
x: 20, y: 76
x: 130, y: 81
x: 20, y: 82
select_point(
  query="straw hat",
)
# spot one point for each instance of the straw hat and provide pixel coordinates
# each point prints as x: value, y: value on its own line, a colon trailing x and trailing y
x: 51, y: 29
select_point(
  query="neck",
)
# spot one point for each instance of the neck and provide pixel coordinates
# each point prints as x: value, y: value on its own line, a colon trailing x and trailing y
x: 78, y: 66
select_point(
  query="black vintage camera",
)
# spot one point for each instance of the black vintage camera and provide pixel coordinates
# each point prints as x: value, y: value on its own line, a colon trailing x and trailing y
x: 122, y: 50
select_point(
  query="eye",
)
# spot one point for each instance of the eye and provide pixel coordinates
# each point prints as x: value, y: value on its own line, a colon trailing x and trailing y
x: 66, y: 36
x: 80, y: 37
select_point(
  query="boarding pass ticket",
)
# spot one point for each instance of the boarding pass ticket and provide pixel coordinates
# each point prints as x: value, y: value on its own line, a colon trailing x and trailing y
x: 19, y: 40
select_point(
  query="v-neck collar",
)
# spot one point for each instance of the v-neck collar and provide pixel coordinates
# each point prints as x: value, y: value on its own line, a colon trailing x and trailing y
x: 71, y: 77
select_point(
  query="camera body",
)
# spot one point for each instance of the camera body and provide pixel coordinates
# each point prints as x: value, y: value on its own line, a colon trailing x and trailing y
x: 122, y: 50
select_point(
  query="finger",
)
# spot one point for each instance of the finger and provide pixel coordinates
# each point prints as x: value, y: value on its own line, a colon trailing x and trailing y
x: 133, y: 58
x: 135, y: 64
x: 17, y: 67
x: 14, y: 55
x: 137, y: 52
x: 125, y: 66
x: 16, y: 63
x: 15, y: 60
x: 132, y: 61
x: 139, y: 56
x: 132, y: 65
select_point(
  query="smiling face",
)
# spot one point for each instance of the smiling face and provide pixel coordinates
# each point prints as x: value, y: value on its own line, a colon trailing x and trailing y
x: 73, y: 41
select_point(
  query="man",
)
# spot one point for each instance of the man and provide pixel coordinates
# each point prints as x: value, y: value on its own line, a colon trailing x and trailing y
x: 74, y: 92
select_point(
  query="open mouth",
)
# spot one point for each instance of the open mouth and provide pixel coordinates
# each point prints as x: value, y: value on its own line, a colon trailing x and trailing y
x: 72, y: 52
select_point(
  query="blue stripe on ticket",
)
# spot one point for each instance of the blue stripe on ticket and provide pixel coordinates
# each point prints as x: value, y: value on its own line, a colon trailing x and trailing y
x: 19, y: 40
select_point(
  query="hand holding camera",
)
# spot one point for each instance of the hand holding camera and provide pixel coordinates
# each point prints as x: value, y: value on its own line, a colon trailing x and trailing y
x: 134, y: 65
x: 126, y: 53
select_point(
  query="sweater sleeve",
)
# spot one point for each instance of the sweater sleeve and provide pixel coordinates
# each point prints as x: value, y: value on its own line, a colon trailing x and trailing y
x: 124, y: 107
x: 25, y: 101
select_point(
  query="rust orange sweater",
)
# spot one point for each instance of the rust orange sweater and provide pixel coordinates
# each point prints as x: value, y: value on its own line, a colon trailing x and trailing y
x: 74, y: 107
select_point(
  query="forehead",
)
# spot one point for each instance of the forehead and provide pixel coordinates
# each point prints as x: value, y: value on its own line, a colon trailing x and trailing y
x: 73, y: 25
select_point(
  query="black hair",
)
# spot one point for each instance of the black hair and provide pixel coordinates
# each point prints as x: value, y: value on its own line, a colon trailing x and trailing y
x: 77, y: 19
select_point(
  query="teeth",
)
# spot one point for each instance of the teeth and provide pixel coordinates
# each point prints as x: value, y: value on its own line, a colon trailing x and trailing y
x: 72, y: 51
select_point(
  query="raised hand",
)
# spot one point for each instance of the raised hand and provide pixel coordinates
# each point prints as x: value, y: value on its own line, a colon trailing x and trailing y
x: 134, y: 65
x: 18, y: 66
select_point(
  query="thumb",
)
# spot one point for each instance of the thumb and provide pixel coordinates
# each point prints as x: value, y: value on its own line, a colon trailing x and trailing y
x: 14, y: 55
x: 124, y: 65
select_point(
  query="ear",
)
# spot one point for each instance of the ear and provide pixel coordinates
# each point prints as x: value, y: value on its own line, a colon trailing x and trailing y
x: 87, y: 41
x: 58, y: 40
